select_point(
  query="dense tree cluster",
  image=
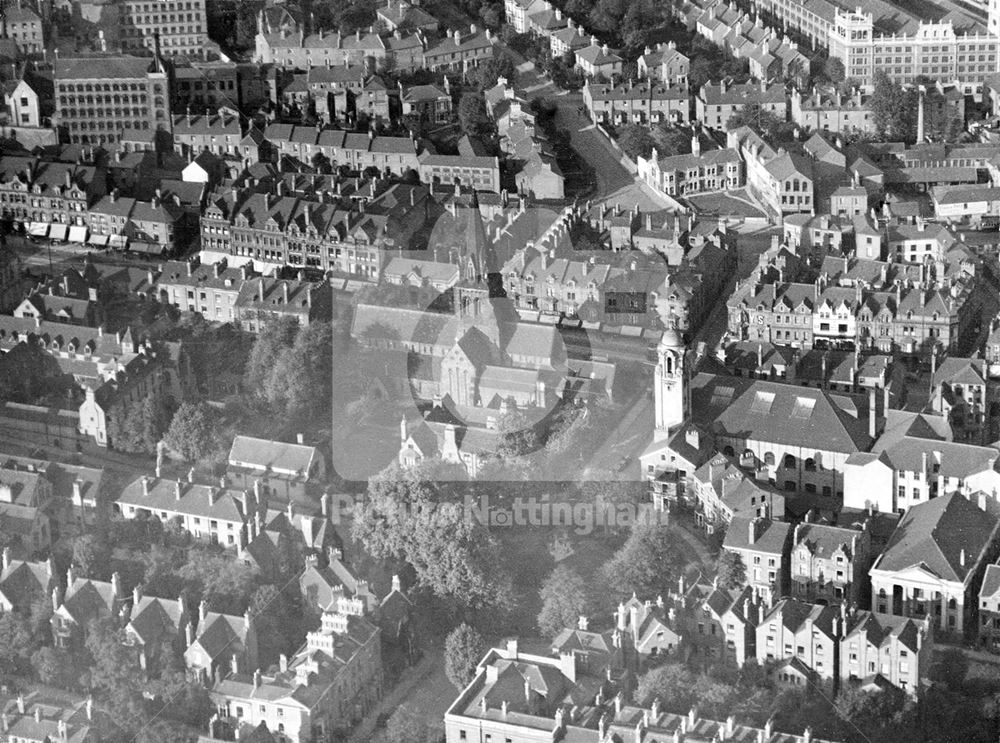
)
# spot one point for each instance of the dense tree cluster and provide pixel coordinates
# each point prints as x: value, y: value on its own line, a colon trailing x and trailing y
x: 407, y: 517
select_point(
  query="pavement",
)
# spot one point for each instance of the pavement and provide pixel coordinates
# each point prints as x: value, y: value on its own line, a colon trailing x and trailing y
x: 410, y: 679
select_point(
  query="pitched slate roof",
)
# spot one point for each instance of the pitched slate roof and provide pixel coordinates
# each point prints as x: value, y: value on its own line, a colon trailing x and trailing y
x: 936, y: 534
x: 772, y: 539
x: 799, y: 416
x: 206, y: 501
x: 878, y: 629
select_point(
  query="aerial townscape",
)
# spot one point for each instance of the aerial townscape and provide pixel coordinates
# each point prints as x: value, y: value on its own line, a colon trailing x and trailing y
x: 467, y: 371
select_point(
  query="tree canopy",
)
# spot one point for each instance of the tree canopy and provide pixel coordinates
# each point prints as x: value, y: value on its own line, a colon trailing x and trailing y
x: 463, y: 649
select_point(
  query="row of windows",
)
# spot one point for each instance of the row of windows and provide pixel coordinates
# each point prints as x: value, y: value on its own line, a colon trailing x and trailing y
x: 65, y: 87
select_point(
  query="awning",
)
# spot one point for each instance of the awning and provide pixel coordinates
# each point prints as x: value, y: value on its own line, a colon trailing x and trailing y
x: 78, y: 234
x: 38, y: 229
x: 140, y: 246
x: 98, y: 240
x: 117, y: 241
x: 58, y: 231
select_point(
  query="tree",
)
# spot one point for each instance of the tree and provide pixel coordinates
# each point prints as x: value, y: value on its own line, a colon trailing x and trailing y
x: 301, y: 382
x: 406, y: 725
x: 275, y: 339
x: 472, y: 116
x: 892, y: 113
x: 407, y: 518
x: 463, y: 649
x: 136, y: 426
x: 192, y: 431
x: 223, y: 582
x: 670, y: 140
x: 834, y: 71
x: 92, y: 556
x: 636, y: 141
x: 54, y: 667
x: 15, y: 641
x: 246, y: 23
x: 731, y: 570
x: 755, y: 116
x: 647, y: 565
x: 671, y: 681
x: 565, y: 598
x: 518, y: 436
x: 880, y: 715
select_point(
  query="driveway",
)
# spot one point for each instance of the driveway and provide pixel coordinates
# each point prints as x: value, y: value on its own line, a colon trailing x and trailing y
x: 614, y: 182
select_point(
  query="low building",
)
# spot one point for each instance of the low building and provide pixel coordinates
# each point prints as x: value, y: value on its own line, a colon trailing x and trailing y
x: 642, y: 102
x: 209, y: 513
x: 44, y: 715
x: 274, y: 466
x: 594, y: 60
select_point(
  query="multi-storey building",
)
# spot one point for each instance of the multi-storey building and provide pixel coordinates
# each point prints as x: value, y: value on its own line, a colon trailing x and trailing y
x: 644, y: 102
x: 36, y: 194
x: 762, y: 544
x: 960, y: 390
x: 934, y: 564
x: 716, y: 104
x: 25, y: 27
x: 23, y: 582
x: 216, y: 642
x: 331, y: 681
x: 272, y: 231
x: 831, y: 111
x: 83, y: 602
x: 810, y: 633
x: 897, y: 648
x: 933, y: 49
x: 96, y: 97
x: 211, y: 290
x: 148, y: 226
x: 180, y: 26
x: 460, y: 51
x: 905, y: 314
x: 479, y: 172
x: 665, y: 64
x: 781, y: 179
x: 686, y: 175
x: 722, y: 491
x: 903, y: 471
x: 830, y: 563
x: 218, y: 134
x: 208, y: 86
